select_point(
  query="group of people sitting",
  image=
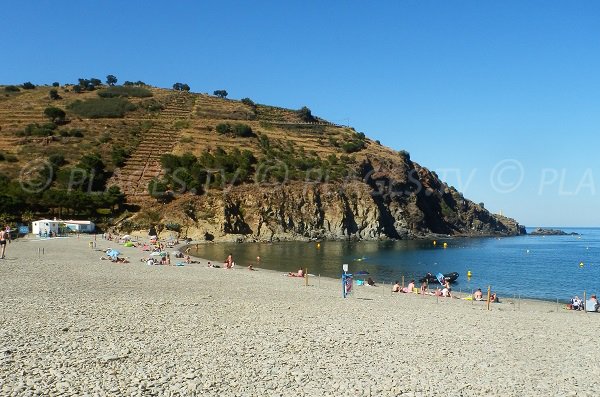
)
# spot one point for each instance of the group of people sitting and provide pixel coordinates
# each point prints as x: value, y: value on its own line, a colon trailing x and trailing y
x: 445, y: 292
x: 591, y: 305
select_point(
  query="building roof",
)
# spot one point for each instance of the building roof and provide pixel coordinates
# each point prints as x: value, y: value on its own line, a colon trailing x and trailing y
x: 79, y: 222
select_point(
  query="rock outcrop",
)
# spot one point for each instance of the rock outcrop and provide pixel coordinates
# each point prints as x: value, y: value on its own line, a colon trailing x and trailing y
x: 399, y: 200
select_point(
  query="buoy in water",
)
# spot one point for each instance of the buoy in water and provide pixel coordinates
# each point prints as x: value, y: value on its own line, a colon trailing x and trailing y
x: 318, y: 245
x: 434, y: 242
x: 469, y: 274
x: 580, y: 264
x: 445, y: 245
x: 527, y: 251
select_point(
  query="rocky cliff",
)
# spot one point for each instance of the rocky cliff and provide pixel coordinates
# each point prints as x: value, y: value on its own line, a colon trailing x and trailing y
x: 384, y: 201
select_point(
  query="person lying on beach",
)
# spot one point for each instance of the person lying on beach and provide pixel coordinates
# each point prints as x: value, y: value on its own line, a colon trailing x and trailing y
x: 370, y: 282
x: 478, y: 295
x: 437, y: 292
x: 446, y: 292
x: 410, y: 288
x: 396, y: 287
x: 300, y: 273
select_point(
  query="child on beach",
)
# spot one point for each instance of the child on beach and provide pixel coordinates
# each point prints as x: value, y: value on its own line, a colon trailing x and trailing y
x: 396, y: 287
x: 4, y: 238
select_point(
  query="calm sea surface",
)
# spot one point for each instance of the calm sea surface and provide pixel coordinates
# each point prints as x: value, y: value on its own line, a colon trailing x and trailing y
x: 534, y: 267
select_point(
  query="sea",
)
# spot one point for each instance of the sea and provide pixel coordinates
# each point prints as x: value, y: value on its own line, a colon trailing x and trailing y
x: 538, y: 267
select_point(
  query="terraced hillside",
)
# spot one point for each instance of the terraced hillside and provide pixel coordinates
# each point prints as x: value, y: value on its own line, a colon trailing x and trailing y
x: 144, y: 163
x: 361, y: 189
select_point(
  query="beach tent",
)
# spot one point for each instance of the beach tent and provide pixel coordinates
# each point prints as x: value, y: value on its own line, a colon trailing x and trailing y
x: 126, y: 237
x: 128, y: 244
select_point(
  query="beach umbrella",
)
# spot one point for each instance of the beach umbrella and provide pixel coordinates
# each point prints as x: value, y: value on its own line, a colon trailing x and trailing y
x: 156, y: 253
x: 126, y: 237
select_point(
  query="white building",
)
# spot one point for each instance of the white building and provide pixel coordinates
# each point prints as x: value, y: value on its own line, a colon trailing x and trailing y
x: 80, y: 226
x: 43, y: 227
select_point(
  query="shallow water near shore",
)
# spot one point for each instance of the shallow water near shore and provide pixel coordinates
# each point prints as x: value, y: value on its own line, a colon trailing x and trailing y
x: 530, y: 266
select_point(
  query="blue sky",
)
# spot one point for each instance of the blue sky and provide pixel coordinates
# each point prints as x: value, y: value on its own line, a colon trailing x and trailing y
x: 501, y: 97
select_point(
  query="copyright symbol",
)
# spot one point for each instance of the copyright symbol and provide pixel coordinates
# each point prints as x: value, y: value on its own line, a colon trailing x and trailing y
x: 507, y: 176
x: 36, y: 176
x: 272, y: 172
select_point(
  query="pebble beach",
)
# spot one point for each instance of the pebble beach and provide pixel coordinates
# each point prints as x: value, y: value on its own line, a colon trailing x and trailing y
x: 74, y: 325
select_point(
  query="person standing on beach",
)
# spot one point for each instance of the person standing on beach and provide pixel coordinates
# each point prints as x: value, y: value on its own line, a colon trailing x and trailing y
x: 4, y: 238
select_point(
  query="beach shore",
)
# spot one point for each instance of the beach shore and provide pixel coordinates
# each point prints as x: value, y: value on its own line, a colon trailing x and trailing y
x: 72, y: 324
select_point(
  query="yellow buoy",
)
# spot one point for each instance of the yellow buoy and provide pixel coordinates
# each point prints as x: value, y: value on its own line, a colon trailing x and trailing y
x: 445, y: 245
x: 469, y: 274
x: 580, y: 264
x: 318, y: 245
x: 434, y: 242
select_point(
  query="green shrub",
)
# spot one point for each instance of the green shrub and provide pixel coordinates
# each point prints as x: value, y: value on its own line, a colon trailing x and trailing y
x: 404, y: 154
x: 46, y: 129
x: 119, y: 155
x: 223, y: 128
x: 305, y: 115
x: 56, y: 84
x: 174, y: 227
x: 2, y: 156
x: 248, y: 102
x: 11, y: 158
x: 102, y: 107
x: 57, y: 159
x: 220, y: 93
x: 28, y: 85
x: 56, y: 115
x: 53, y: 94
x: 125, y: 91
x: 12, y: 88
x: 241, y: 130
x: 181, y: 87
x: 151, y: 105
x: 353, y: 146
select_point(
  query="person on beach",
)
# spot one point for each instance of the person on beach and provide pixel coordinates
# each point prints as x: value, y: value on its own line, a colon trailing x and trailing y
x: 4, y: 238
x: 396, y: 287
x: 370, y: 282
x: 576, y: 303
x: 410, y: 288
x: 424, y: 288
x: 229, y: 261
x: 250, y: 267
x: 591, y: 305
x: 478, y: 295
x: 299, y: 273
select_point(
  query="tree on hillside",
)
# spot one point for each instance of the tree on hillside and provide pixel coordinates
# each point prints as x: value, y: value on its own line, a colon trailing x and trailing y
x: 305, y: 115
x: 53, y: 94
x: 181, y: 87
x: 55, y: 115
x: 220, y: 93
x: 111, y: 79
x: 28, y: 85
x: 56, y: 84
x: 96, y: 82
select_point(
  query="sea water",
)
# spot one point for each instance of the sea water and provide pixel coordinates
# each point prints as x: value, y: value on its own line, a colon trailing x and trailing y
x: 550, y: 267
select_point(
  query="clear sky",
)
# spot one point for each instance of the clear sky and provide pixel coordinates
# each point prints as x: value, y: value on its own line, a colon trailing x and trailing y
x: 499, y: 97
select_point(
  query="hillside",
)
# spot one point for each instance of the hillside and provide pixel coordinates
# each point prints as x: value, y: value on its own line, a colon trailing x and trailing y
x: 235, y: 171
